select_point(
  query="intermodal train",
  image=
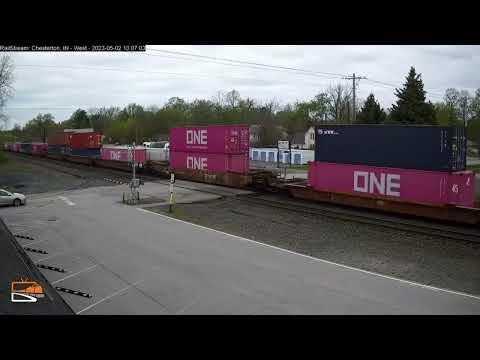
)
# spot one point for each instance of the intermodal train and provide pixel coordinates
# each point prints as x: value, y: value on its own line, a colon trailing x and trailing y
x: 414, y: 170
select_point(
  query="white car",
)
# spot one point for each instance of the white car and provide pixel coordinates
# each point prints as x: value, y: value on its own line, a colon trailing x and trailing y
x: 8, y: 198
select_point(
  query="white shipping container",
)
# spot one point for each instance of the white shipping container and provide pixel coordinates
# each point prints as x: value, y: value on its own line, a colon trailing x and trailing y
x: 154, y: 154
x: 89, y: 130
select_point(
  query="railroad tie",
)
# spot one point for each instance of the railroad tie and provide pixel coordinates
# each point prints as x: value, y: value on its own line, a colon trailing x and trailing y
x: 74, y: 292
x: 53, y: 268
x: 35, y: 250
x: 24, y: 237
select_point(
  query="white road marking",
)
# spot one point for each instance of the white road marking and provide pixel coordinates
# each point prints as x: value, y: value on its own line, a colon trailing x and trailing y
x: 67, y: 201
x: 318, y: 259
x: 34, y: 242
x: 74, y: 274
x: 109, y: 296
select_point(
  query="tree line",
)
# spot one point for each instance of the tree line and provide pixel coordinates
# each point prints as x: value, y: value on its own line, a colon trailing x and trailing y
x: 334, y: 105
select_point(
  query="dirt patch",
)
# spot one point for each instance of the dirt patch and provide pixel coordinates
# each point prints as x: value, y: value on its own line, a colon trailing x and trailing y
x: 20, y: 175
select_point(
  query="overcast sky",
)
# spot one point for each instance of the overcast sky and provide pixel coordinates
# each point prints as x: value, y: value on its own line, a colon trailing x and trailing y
x: 57, y: 90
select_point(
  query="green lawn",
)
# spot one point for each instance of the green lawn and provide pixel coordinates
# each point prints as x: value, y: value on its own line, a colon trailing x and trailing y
x: 301, y: 167
x: 3, y: 158
x: 474, y: 168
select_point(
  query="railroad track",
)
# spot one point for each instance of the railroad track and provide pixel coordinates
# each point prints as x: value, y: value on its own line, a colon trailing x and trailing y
x: 444, y: 231
x: 360, y: 216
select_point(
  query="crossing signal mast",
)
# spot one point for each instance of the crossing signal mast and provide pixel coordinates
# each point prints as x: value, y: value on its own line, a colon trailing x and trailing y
x: 354, y: 78
x: 134, y: 196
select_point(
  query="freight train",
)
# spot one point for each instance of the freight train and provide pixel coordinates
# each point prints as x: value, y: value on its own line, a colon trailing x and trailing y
x: 413, y: 170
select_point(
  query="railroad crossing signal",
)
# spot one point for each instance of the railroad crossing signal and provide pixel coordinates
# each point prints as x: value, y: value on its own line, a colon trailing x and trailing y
x: 171, y: 199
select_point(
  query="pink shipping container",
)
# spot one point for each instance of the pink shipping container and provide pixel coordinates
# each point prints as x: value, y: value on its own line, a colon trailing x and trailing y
x: 221, y: 139
x: 16, y: 147
x: 39, y: 148
x: 212, y: 163
x: 121, y: 153
x: 417, y: 186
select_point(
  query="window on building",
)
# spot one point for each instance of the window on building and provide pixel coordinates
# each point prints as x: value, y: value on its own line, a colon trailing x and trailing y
x: 255, y: 155
x: 297, y: 159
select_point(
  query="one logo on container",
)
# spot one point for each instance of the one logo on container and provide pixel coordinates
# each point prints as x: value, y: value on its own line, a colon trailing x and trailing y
x: 197, y: 163
x: 197, y: 137
x: 368, y: 182
x: 115, y: 155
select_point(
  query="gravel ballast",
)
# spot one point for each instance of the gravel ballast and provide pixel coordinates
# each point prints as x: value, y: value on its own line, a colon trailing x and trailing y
x: 430, y: 260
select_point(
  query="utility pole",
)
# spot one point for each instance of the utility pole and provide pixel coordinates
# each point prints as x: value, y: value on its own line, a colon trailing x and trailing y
x: 354, y: 78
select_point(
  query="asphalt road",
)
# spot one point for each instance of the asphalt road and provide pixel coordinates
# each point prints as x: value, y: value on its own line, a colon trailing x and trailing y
x: 136, y: 262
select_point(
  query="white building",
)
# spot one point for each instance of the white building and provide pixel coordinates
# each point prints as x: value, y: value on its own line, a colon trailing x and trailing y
x: 310, y: 138
x: 299, y: 156
x: 304, y: 140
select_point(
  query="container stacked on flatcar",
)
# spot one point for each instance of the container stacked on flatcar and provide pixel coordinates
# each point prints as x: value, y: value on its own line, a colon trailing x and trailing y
x: 39, y: 148
x: 210, y: 149
x: 26, y: 148
x: 85, y: 144
x: 59, y: 143
x: 121, y: 157
x: 16, y: 147
x: 417, y: 164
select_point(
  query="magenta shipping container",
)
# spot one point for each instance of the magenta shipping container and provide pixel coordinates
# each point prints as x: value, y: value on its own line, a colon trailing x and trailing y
x: 212, y: 163
x: 16, y: 147
x: 121, y: 153
x: 418, y: 186
x: 39, y: 148
x: 221, y: 139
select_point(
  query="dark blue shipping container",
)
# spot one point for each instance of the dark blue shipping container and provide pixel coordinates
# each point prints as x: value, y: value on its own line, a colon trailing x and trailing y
x: 58, y: 149
x: 92, y: 153
x: 421, y: 147
x: 26, y: 148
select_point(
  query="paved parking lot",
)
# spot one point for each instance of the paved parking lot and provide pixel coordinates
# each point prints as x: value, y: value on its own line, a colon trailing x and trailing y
x: 133, y: 261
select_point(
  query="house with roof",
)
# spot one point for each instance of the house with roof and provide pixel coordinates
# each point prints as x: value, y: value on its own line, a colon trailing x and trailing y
x: 255, y: 134
x: 304, y: 139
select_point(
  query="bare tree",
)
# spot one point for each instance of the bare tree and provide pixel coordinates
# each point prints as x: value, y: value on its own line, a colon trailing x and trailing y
x: 6, y: 82
x: 340, y: 97
x: 232, y: 99
x: 271, y: 106
x: 219, y: 99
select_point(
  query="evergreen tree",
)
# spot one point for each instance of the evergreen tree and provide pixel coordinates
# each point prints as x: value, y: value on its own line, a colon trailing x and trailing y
x: 78, y: 120
x: 371, y: 112
x: 411, y: 107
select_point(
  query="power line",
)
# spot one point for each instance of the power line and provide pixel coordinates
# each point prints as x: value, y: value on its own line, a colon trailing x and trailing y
x: 399, y: 86
x: 241, y: 66
x: 250, y: 63
x: 267, y: 66
x: 53, y: 67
